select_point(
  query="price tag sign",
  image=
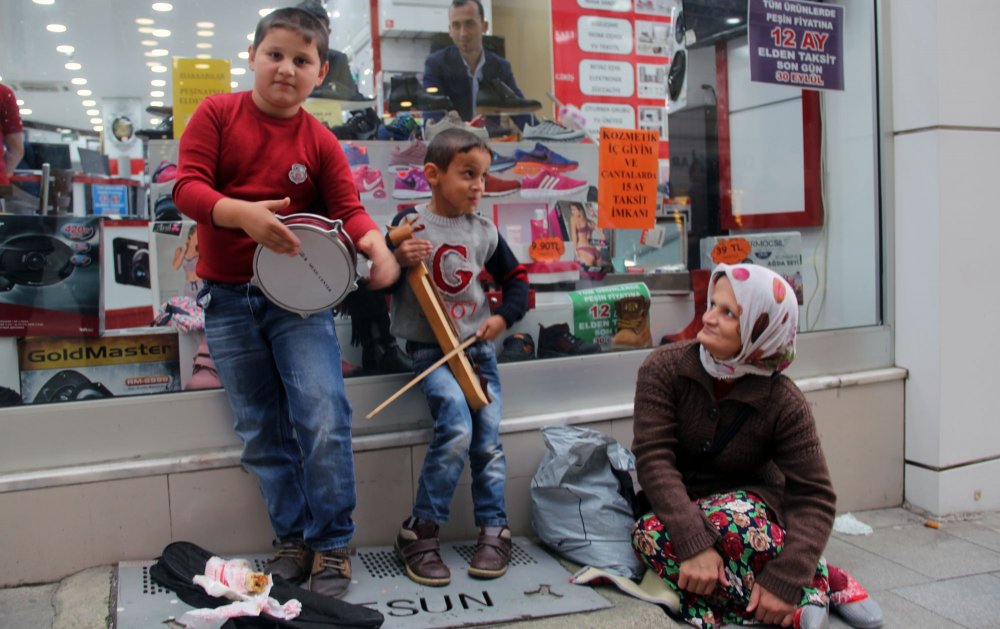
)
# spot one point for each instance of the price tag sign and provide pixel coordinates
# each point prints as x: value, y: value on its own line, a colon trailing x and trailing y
x: 547, y: 249
x: 731, y: 251
x: 596, y: 310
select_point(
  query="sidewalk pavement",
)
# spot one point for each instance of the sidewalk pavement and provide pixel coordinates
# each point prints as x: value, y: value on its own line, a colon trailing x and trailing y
x: 924, y: 578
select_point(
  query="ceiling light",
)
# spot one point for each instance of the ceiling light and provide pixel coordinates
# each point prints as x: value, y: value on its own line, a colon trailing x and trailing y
x: 264, y: 12
x: 161, y: 32
x: 203, y: 56
x: 144, y: 21
x: 149, y: 42
x: 335, y: 14
x: 205, y: 33
x: 98, y: 127
x: 156, y: 93
x: 163, y: 7
x: 733, y: 20
x: 238, y: 71
x: 89, y: 102
x: 146, y: 30
x: 66, y: 49
x: 96, y: 120
x: 93, y: 112
x: 157, y: 52
x: 157, y: 82
x: 234, y: 84
x: 159, y: 69
x: 249, y: 36
x: 78, y: 81
x: 154, y: 121
x: 72, y: 65
x: 83, y: 92
x: 56, y: 28
x: 25, y: 111
x: 203, y: 45
x: 20, y: 102
x: 45, y: 2
x: 205, y: 24
x: 244, y: 55
x: 156, y: 103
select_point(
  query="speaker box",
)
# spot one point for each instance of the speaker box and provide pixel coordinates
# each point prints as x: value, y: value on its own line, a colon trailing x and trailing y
x: 678, y: 73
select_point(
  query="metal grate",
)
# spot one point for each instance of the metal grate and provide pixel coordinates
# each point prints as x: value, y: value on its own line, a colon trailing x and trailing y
x: 382, y: 564
x: 518, y: 557
x: 151, y: 587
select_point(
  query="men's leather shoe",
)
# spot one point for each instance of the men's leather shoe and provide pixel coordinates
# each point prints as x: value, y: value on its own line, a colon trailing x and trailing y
x: 418, y: 547
x: 495, y: 97
x: 291, y: 561
x: 405, y: 94
x: 331, y: 572
x: 492, y: 552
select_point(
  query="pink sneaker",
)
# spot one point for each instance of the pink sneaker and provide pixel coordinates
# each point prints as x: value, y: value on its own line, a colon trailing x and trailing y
x: 549, y: 183
x: 411, y: 184
x: 410, y: 157
x: 369, y: 183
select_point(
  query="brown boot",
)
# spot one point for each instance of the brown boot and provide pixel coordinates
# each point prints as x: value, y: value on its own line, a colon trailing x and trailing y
x: 492, y: 552
x: 633, y: 323
x: 417, y: 546
x: 331, y: 572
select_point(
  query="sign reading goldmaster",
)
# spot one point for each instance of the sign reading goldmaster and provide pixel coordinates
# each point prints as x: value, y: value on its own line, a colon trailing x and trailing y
x: 627, y: 178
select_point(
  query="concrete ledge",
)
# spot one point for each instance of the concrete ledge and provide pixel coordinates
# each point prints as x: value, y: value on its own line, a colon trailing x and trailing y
x: 230, y: 456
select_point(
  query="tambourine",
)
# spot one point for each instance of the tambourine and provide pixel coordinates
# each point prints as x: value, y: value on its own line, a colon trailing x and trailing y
x: 323, y: 273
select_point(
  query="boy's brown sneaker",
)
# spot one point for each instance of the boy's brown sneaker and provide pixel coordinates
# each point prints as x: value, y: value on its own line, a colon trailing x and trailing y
x: 331, y: 572
x: 492, y: 552
x: 291, y: 561
x: 418, y: 547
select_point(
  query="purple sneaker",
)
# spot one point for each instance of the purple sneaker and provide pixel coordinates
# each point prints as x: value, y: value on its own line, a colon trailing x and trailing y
x: 533, y: 161
x: 411, y: 184
x: 356, y: 155
x: 410, y: 157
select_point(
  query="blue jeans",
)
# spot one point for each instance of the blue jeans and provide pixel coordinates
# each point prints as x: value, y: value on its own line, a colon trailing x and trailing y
x: 282, y: 374
x: 460, y: 434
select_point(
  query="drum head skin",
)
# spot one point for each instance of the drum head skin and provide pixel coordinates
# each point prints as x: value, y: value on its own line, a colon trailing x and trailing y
x: 319, y: 277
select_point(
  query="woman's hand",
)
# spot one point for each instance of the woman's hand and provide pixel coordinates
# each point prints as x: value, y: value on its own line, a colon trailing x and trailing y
x: 770, y: 609
x: 701, y: 573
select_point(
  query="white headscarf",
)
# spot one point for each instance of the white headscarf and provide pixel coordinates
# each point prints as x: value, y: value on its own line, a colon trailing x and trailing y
x: 769, y: 317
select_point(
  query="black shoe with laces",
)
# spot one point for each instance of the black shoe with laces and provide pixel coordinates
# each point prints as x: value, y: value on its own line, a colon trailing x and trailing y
x: 331, y: 572
x: 556, y: 340
x: 291, y: 561
x: 517, y: 347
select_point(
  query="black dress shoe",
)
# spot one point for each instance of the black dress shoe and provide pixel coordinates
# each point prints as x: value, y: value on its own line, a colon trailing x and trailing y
x: 406, y: 94
x: 495, y: 96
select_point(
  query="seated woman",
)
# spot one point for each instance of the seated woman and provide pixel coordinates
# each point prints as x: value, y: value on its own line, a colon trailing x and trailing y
x: 728, y: 454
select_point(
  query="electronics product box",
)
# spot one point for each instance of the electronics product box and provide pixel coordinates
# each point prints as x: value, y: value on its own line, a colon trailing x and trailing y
x: 50, y: 275
x: 126, y: 293
x: 126, y: 362
x: 779, y: 251
x: 174, y: 250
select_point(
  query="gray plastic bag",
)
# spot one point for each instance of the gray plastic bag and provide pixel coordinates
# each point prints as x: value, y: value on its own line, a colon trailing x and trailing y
x: 580, y: 499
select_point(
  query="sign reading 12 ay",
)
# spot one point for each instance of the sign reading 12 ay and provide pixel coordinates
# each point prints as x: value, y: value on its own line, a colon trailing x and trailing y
x: 793, y: 42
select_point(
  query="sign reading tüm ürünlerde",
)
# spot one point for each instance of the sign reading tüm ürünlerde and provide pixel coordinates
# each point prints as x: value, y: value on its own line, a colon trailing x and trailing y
x: 627, y: 178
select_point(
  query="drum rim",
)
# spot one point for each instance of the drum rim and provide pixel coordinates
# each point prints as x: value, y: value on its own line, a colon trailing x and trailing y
x: 346, y: 245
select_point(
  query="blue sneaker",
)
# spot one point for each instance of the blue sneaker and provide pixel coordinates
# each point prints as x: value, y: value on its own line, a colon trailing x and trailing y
x: 402, y: 128
x: 533, y: 161
x: 501, y: 162
x: 356, y: 155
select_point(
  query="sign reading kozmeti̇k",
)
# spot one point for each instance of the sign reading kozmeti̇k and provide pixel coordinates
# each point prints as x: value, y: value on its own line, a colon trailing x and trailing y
x: 794, y: 42
x: 627, y: 178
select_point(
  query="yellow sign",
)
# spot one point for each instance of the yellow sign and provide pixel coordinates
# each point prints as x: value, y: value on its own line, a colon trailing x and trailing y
x: 627, y: 176
x: 326, y: 111
x: 193, y: 80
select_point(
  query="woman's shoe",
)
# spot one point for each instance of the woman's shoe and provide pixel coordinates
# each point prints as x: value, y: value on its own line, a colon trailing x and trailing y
x: 812, y: 617
x: 852, y: 602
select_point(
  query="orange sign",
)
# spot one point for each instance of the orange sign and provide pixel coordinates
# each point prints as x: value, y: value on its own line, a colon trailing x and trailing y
x: 730, y: 251
x: 547, y: 249
x: 627, y: 178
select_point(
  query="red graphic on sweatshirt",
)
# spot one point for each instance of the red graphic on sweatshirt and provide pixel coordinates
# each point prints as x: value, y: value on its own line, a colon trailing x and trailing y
x: 449, y: 274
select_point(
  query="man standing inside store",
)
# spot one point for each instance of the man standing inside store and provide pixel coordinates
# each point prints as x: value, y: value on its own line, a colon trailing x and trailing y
x: 469, y: 74
x: 13, y: 143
